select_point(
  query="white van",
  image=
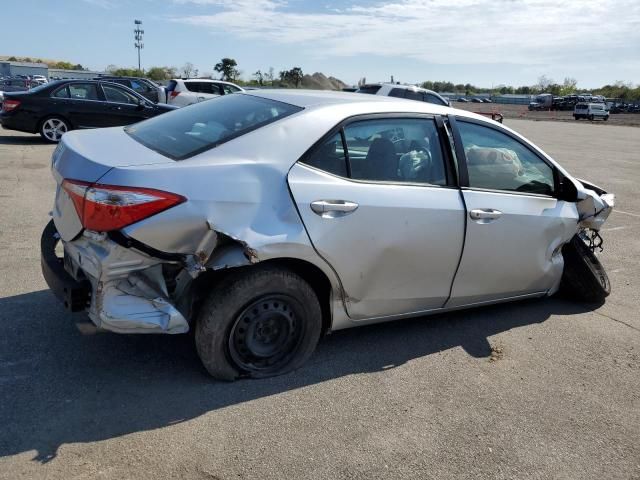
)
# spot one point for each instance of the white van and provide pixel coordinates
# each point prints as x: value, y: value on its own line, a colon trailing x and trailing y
x: 591, y: 111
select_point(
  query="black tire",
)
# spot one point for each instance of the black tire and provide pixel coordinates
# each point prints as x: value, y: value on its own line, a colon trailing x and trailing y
x: 251, y: 312
x: 576, y: 117
x: 52, y: 128
x: 584, y: 278
x: 606, y: 118
x: 591, y: 117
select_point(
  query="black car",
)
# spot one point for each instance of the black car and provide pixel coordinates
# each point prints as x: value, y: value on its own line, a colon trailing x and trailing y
x: 57, y: 107
x: 143, y: 86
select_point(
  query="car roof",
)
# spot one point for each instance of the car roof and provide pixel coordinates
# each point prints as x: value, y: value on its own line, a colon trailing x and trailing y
x: 321, y: 98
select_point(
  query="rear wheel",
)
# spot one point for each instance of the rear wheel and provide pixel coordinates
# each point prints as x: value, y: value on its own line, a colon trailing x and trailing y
x: 606, y: 118
x: 53, y: 128
x: 260, y: 323
x: 576, y: 117
x: 584, y: 278
x: 591, y: 117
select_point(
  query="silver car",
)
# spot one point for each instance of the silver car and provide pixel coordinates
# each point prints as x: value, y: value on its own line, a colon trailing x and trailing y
x: 265, y: 219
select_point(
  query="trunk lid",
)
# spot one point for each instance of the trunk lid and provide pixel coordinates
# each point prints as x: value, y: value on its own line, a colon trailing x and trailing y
x: 87, y: 156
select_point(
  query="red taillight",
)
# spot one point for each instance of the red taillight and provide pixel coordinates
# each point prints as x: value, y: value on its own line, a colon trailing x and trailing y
x: 104, y: 208
x: 9, y: 105
x: 174, y: 94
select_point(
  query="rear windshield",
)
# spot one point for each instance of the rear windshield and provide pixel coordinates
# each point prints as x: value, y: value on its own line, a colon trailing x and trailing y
x: 191, y: 130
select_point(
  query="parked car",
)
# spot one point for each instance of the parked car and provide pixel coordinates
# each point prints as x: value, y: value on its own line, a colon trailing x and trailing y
x: 143, y: 86
x: 410, y: 92
x: 264, y: 220
x: 591, y: 111
x: 14, y: 85
x: 182, y: 92
x: 462, y: 99
x: 57, y: 107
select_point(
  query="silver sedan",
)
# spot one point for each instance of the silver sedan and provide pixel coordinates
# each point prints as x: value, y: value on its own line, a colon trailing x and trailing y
x: 265, y: 219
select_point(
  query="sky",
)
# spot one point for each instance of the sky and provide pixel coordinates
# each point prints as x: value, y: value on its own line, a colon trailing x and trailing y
x: 485, y: 43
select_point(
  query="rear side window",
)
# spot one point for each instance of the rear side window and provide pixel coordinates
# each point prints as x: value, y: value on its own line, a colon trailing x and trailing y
x: 330, y: 157
x: 370, y: 89
x: 186, y: 132
x: 395, y: 150
x: 397, y: 92
x: 83, y: 91
x: 61, y: 93
x: 171, y: 86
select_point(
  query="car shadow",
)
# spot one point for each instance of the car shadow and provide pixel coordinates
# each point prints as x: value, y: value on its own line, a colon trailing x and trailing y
x: 22, y: 140
x: 61, y: 382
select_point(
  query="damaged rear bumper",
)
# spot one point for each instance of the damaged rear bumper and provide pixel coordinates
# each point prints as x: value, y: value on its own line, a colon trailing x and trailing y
x: 124, y: 289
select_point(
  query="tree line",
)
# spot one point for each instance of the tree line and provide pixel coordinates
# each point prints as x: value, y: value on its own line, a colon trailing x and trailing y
x: 622, y: 90
x: 226, y: 69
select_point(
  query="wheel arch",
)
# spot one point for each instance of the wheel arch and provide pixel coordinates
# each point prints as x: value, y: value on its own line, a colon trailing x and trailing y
x: 312, y: 274
x: 55, y: 115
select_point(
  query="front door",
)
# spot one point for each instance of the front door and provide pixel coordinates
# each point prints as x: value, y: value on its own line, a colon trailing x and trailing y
x: 85, y: 106
x: 515, y: 225
x: 380, y: 208
x: 121, y: 107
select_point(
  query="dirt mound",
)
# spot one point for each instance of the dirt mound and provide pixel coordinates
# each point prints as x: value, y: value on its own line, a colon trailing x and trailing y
x: 318, y: 81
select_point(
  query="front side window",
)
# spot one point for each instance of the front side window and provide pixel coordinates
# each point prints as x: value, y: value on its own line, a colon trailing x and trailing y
x: 140, y: 87
x: 119, y: 95
x: 188, y: 131
x: 229, y: 89
x: 414, y: 95
x: 83, y: 91
x: 395, y: 150
x: 431, y: 98
x: 496, y: 161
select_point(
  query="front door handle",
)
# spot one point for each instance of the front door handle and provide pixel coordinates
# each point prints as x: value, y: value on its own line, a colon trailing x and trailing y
x: 333, y: 208
x: 485, y: 215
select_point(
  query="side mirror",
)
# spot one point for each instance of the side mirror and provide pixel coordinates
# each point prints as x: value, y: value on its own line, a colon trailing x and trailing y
x: 567, y: 191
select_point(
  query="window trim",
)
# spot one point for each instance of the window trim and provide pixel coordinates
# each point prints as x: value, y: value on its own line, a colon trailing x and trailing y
x: 451, y: 178
x: 462, y: 158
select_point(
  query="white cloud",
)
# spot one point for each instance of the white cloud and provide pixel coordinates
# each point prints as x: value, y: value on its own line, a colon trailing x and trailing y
x: 466, y: 32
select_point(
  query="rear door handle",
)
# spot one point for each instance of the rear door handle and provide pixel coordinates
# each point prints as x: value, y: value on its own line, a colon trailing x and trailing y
x: 333, y: 208
x: 485, y: 215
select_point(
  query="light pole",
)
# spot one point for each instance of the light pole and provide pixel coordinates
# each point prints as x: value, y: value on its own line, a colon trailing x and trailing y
x: 138, y: 33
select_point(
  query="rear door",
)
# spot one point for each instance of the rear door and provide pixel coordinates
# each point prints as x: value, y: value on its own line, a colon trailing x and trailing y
x: 515, y: 225
x: 379, y: 205
x: 86, y: 108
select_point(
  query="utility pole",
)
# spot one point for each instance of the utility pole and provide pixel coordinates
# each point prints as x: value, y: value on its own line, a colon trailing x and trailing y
x: 138, y: 33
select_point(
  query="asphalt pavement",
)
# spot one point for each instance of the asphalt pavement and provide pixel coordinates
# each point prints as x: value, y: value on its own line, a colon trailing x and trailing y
x: 545, y: 389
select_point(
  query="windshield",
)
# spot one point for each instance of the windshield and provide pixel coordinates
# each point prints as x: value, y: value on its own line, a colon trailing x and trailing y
x: 191, y: 130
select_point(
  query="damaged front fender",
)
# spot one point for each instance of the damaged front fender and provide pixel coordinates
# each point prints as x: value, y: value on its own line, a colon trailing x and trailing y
x: 594, y: 205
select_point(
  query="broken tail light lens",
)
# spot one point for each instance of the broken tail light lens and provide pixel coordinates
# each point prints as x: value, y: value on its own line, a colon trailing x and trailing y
x: 104, y: 208
x: 9, y: 105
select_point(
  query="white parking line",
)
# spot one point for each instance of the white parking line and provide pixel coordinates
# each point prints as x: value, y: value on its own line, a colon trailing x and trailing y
x: 613, y: 229
x: 626, y: 213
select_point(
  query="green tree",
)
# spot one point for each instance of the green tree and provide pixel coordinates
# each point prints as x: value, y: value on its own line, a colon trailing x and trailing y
x: 259, y: 76
x: 295, y: 76
x: 12, y: 59
x: 227, y: 68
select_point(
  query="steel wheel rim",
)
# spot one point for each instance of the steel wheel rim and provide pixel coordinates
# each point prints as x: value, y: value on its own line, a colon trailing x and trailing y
x: 267, y: 334
x: 53, y: 129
